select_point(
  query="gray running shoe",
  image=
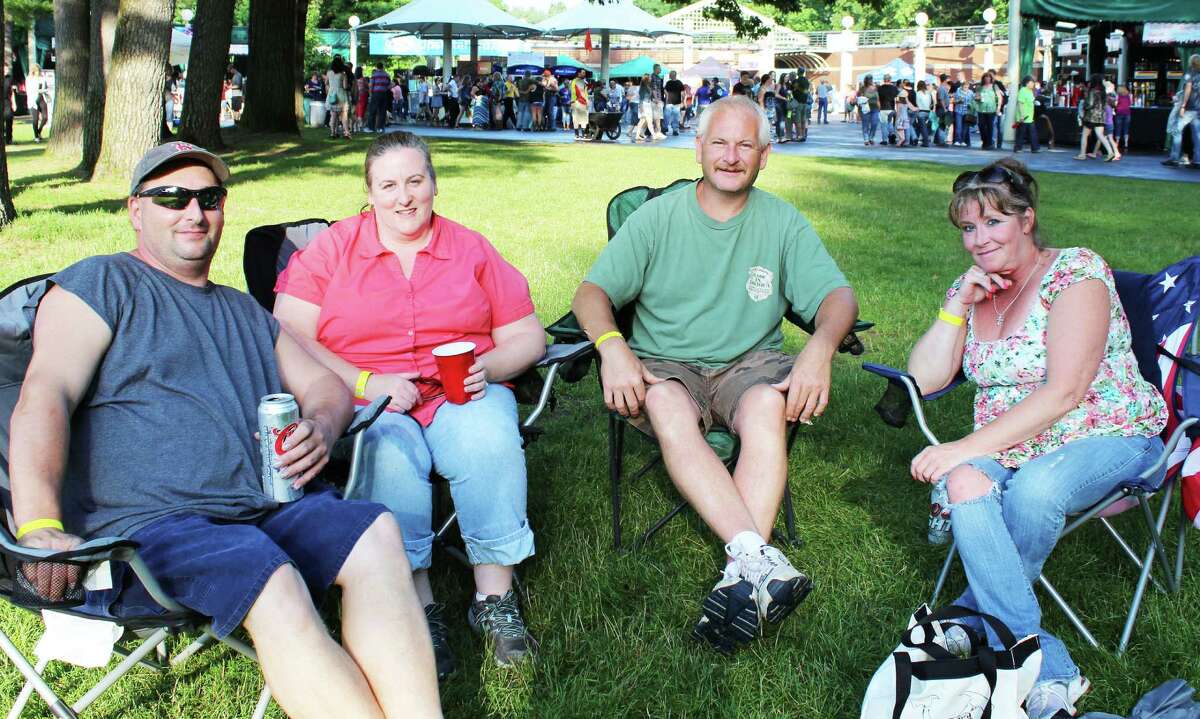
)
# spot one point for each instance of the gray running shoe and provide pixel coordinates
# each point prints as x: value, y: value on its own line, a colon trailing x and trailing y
x: 730, y: 614
x: 442, y: 655
x: 500, y: 618
x: 778, y: 586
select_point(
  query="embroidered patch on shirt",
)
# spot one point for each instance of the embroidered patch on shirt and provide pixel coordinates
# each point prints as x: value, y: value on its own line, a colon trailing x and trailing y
x: 760, y: 283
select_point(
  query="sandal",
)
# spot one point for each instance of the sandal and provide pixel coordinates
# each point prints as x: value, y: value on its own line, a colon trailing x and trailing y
x: 1080, y: 157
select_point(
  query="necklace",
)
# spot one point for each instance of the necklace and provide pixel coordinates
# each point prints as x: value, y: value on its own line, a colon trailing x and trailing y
x: 1001, y: 313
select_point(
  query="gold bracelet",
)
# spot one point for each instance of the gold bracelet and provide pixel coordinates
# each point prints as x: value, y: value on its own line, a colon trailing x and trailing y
x: 36, y: 524
x: 360, y: 387
x: 950, y: 319
x: 606, y: 337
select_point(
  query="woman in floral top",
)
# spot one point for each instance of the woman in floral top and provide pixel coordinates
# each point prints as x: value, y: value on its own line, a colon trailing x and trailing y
x: 1062, y: 415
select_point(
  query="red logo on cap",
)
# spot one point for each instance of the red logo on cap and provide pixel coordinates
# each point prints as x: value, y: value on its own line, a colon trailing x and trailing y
x: 184, y: 147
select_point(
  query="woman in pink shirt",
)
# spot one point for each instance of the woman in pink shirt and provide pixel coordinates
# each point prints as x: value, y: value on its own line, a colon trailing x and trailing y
x: 371, y: 297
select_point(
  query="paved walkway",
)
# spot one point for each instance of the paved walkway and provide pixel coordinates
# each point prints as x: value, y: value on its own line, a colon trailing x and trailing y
x: 838, y: 139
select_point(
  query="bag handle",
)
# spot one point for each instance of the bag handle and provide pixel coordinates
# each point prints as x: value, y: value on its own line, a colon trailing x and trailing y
x: 955, y: 611
x: 903, y: 664
x: 987, y: 665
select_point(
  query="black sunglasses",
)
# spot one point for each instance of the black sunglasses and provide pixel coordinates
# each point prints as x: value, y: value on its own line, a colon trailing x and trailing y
x: 996, y: 174
x: 178, y: 198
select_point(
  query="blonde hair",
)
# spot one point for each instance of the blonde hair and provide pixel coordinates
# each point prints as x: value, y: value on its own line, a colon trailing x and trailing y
x: 1005, y: 186
x: 1194, y: 63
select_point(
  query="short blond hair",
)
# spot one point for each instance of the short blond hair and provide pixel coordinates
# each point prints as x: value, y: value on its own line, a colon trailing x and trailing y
x: 737, y: 102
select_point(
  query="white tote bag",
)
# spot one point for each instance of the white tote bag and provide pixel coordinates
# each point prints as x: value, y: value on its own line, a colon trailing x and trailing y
x: 921, y: 680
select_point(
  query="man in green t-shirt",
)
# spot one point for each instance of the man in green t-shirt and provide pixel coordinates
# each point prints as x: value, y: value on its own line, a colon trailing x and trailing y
x: 1025, y: 128
x: 710, y: 270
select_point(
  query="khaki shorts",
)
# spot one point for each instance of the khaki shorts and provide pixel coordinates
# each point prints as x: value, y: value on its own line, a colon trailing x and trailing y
x: 717, y: 391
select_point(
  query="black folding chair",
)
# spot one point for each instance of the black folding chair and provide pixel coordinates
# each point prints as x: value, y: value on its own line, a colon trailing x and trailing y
x: 722, y: 441
x: 1181, y: 381
x: 143, y: 637
x: 267, y: 251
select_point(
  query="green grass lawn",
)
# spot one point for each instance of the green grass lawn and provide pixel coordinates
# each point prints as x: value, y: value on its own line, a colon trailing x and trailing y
x: 613, y: 628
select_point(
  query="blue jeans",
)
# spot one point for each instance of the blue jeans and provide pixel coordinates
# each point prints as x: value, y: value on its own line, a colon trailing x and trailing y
x: 524, y: 115
x: 870, y: 125
x: 823, y: 109
x: 921, y: 127
x: 1121, y: 129
x: 477, y: 447
x: 886, y: 121
x: 671, y: 118
x: 962, y: 131
x: 1177, y: 141
x: 998, y: 130
x: 549, y: 111
x: 1006, y: 535
x: 1028, y: 132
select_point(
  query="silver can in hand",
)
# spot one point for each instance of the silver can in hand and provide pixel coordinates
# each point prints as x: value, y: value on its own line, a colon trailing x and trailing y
x: 278, y: 416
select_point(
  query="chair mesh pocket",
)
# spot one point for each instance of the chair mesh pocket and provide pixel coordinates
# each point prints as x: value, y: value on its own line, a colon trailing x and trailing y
x: 48, y: 585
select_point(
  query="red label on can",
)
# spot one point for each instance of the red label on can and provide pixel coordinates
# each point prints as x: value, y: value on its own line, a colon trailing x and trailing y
x: 281, y: 435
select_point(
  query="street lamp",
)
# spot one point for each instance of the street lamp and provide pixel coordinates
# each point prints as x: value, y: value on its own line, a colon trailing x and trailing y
x: 919, y: 55
x: 354, y: 23
x: 989, y: 58
x: 187, y: 14
x: 848, y: 43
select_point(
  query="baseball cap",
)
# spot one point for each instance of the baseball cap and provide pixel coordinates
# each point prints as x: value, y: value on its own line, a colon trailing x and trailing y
x: 172, y: 151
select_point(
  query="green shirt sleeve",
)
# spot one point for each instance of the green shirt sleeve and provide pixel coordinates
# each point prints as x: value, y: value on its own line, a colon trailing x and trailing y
x: 809, y: 273
x: 620, y: 270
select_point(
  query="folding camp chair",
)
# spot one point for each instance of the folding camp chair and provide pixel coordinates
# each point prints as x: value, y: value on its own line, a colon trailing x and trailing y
x: 723, y: 442
x: 18, y: 305
x: 267, y: 251
x: 1175, y: 371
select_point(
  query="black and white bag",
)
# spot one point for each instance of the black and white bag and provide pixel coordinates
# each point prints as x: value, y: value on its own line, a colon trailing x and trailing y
x: 922, y: 680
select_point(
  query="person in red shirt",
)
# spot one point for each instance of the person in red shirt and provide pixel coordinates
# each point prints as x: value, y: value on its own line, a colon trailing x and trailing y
x: 371, y: 297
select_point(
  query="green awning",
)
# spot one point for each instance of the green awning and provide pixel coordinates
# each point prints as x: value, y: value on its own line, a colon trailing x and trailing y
x: 568, y: 61
x: 1091, y: 11
x: 641, y: 65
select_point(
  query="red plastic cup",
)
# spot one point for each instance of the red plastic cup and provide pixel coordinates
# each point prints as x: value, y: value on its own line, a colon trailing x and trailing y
x: 454, y: 362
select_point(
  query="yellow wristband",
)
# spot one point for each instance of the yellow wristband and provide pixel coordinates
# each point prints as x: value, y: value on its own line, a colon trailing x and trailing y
x: 950, y: 319
x: 360, y: 387
x: 37, y: 524
x: 606, y: 337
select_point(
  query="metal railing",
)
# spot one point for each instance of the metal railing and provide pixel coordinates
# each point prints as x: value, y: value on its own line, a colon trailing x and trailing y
x: 825, y: 40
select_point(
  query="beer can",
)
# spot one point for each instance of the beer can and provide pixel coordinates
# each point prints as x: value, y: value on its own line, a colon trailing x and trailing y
x: 939, y: 513
x: 278, y: 416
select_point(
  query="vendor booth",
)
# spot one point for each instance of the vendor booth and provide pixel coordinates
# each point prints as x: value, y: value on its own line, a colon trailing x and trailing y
x: 1142, y: 43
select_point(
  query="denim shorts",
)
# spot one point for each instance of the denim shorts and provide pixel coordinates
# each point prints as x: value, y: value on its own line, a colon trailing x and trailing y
x: 218, y: 568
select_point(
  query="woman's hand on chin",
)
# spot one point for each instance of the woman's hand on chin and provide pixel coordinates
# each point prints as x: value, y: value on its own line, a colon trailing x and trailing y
x: 976, y: 285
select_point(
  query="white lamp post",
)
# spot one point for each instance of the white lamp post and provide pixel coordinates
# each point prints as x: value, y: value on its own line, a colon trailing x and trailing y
x: 1047, y: 37
x: 919, y: 54
x: 989, y: 58
x: 187, y: 14
x: 848, y: 42
x: 354, y: 23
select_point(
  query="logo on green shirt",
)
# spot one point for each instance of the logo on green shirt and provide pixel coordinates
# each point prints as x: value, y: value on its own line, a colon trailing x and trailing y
x: 759, y: 284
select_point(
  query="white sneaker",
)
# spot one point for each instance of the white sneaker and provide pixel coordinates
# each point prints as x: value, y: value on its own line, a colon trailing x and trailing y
x: 955, y: 640
x: 730, y: 613
x: 1049, y: 699
x: 778, y: 586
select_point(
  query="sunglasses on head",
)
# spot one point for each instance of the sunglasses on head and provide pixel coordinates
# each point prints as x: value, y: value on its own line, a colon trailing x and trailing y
x: 178, y: 198
x: 996, y: 174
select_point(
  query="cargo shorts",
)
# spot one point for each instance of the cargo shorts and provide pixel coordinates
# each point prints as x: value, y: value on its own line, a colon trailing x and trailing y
x: 717, y: 391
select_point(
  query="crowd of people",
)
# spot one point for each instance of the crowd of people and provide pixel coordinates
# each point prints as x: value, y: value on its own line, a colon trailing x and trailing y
x: 359, y: 312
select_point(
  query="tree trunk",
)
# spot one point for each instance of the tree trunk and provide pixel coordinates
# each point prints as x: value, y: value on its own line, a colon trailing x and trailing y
x: 201, y: 122
x: 7, y: 212
x: 70, y: 76
x: 103, y: 29
x: 271, y: 88
x: 133, y: 97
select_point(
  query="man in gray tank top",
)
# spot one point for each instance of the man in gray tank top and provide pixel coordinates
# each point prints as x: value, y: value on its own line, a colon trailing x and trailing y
x: 137, y: 418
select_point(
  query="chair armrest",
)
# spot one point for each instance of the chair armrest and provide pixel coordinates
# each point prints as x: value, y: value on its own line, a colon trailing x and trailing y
x: 365, y: 416
x: 850, y: 343
x: 903, y: 395
x: 559, y: 353
x: 95, y: 550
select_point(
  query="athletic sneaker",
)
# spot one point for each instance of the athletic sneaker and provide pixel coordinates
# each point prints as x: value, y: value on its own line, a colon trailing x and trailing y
x: 955, y: 640
x: 730, y: 613
x: 778, y: 586
x: 442, y: 656
x: 1050, y: 700
x: 500, y: 618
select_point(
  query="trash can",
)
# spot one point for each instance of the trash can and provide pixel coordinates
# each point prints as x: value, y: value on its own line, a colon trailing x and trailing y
x: 316, y: 114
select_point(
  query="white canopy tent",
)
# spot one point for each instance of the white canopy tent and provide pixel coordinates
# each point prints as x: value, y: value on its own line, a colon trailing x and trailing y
x: 471, y: 19
x: 620, y: 17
